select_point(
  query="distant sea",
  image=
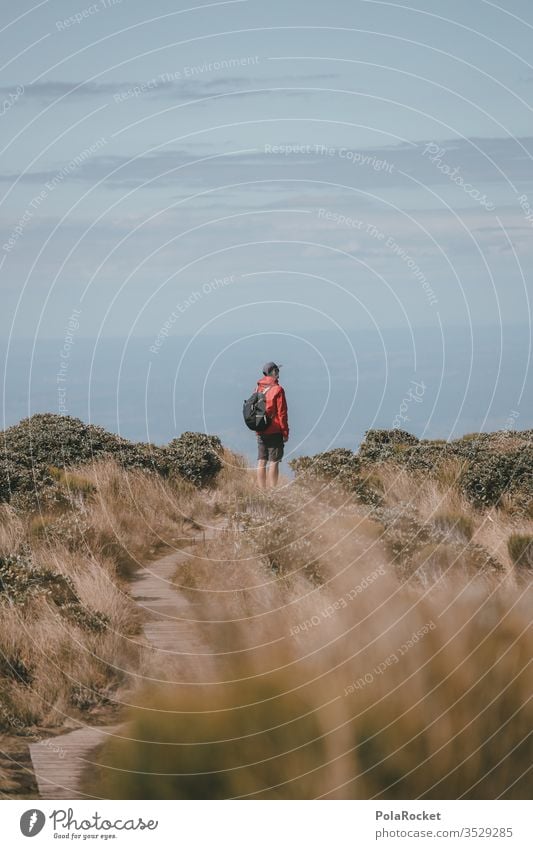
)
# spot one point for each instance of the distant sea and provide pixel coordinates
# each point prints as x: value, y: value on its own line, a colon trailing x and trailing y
x: 337, y: 386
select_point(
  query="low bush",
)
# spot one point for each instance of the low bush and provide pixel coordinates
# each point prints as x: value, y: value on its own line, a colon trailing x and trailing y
x: 342, y: 470
x: 486, y: 480
x: 37, y: 451
x: 339, y: 464
x: 50, y: 439
x: 195, y: 456
x: 381, y: 445
x: 484, y: 466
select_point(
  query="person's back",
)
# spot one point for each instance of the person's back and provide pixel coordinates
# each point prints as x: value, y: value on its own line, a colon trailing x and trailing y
x: 271, y: 440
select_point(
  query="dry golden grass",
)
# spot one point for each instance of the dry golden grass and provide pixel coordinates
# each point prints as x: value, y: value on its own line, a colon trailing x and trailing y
x: 47, y: 659
x: 126, y: 516
x: 341, y: 692
x: 439, y: 504
x: 328, y: 677
x: 355, y: 686
x: 122, y: 518
x: 139, y: 513
x: 12, y: 530
x: 430, y: 496
x: 75, y: 483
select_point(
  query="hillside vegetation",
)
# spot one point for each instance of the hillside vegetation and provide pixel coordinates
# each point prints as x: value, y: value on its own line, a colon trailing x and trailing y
x: 369, y: 622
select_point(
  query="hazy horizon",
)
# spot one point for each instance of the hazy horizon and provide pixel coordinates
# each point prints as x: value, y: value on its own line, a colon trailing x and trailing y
x: 337, y: 386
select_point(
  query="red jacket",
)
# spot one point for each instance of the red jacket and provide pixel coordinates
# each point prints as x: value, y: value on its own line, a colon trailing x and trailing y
x: 276, y: 406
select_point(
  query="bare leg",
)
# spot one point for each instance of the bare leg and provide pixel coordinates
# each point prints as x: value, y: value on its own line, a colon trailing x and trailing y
x: 261, y: 474
x: 273, y: 474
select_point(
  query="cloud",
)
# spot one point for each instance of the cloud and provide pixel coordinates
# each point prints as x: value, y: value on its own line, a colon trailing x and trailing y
x: 58, y: 88
x: 479, y: 162
x: 196, y: 84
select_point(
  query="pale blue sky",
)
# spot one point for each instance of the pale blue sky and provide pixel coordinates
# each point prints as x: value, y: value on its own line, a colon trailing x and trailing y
x: 372, y: 79
x: 341, y: 166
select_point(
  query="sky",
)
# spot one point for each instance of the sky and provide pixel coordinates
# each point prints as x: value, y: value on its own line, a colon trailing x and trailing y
x: 245, y: 170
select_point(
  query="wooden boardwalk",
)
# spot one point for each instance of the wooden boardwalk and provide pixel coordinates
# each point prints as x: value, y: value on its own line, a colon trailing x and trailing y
x: 59, y: 762
x: 169, y: 629
x: 169, y: 616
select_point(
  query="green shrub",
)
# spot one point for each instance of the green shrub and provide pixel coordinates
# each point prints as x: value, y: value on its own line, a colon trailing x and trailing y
x: 342, y: 469
x: 50, y: 439
x: 195, y: 456
x: 44, y: 497
x: 426, y: 457
x: 492, y: 463
x: 403, y: 449
x: 36, y: 452
x: 489, y: 476
x: 475, y: 436
x: 339, y: 464
x: 380, y: 445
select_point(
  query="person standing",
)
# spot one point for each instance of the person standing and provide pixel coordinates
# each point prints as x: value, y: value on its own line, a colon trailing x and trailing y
x: 271, y: 441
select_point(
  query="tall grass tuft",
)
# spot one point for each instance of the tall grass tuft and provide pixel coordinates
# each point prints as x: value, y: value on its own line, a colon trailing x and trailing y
x: 352, y: 686
x: 66, y: 616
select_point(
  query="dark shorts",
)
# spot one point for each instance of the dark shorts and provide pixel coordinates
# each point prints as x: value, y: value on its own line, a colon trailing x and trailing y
x: 270, y: 447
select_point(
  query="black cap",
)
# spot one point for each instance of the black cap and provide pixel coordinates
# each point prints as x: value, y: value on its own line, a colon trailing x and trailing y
x: 268, y: 367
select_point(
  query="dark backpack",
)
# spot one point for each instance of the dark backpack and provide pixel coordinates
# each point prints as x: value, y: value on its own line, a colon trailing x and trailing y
x: 254, y: 410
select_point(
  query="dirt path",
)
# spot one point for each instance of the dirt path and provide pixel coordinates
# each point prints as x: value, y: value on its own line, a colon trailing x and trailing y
x: 59, y: 762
